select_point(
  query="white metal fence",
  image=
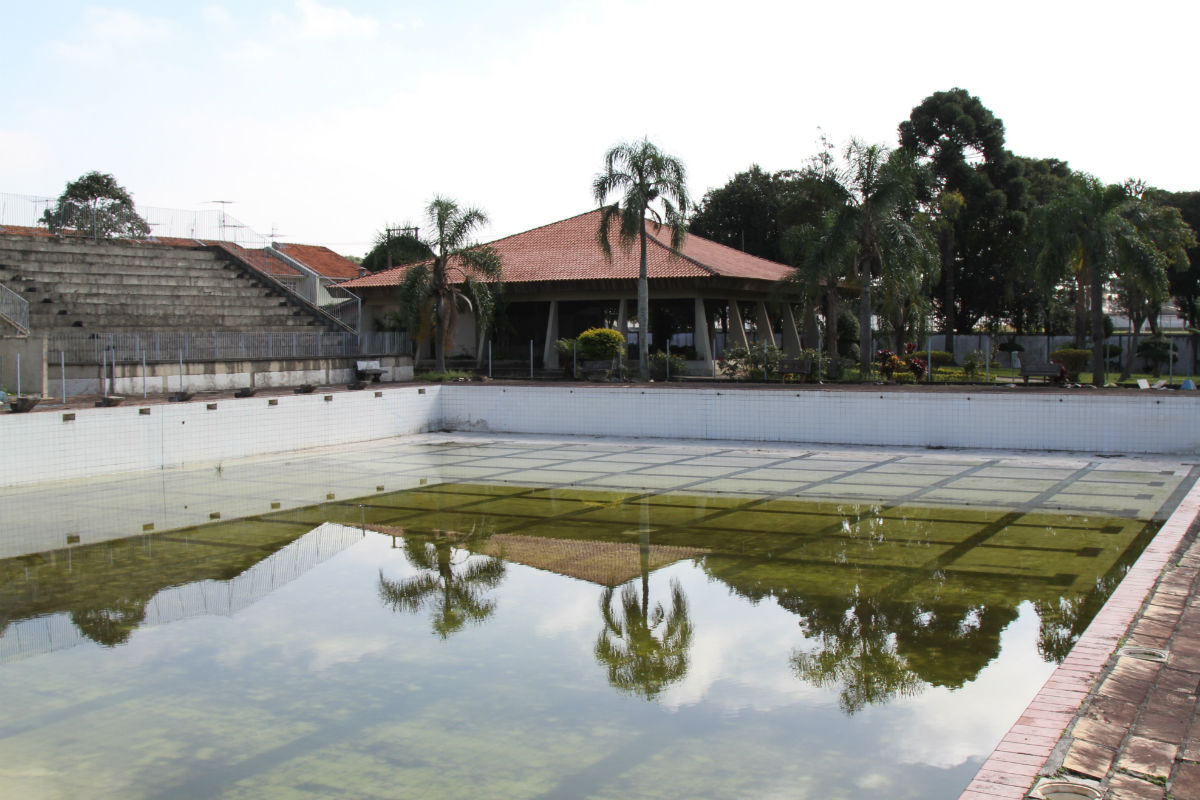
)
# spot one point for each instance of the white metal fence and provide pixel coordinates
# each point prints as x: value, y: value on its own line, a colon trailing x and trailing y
x: 191, y: 346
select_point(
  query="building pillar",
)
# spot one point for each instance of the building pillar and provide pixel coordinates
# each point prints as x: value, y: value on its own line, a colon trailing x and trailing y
x: 766, y: 331
x: 700, y: 337
x: 791, y: 336
x: 737, y: 328
x: 550, y: 351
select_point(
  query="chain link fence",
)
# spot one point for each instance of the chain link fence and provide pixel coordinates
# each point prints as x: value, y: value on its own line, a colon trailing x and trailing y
x: 191, y: 346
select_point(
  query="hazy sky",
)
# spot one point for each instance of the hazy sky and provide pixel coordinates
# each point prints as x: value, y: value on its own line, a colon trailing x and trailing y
x: 329, y: 118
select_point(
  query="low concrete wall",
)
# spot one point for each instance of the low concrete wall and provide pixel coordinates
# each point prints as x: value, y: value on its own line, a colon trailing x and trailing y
x: 48, y: 446
x: 207, y: 376
x: 31, y: 354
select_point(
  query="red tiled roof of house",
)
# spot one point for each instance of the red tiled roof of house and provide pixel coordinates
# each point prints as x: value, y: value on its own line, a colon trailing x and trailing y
x: 570, y: 251
x: 321, y: 260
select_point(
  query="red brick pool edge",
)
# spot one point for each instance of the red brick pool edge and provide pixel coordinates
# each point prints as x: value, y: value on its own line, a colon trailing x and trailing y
x: 1130, y: 721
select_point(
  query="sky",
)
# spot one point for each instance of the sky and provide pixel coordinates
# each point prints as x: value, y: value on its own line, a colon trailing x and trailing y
x: 325, y: 120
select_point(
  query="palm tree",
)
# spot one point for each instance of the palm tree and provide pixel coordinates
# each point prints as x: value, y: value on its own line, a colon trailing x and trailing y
x: 454, y: 594
x: 1093, y: 230
x: 432, y: 293
x: 647, y: 179
x: 874, y: 228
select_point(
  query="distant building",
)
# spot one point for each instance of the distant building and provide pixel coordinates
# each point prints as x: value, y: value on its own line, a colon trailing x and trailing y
x: 557, y: 282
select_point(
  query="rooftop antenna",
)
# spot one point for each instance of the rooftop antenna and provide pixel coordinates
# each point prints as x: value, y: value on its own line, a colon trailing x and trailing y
x: 275, y: 234
x: 222, y: 204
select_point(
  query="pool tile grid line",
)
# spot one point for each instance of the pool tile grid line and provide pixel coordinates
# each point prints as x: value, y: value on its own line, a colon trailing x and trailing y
x: 1029, y: 748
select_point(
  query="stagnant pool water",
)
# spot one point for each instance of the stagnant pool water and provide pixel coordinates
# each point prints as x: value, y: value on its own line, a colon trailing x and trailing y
x: 496, y: 639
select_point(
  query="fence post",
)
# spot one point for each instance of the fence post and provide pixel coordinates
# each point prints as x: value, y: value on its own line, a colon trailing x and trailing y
x: 143, y: 374
x: 62, y: 373
x: 489, y: 358
x: 531, y: 359
x: 575, y: 359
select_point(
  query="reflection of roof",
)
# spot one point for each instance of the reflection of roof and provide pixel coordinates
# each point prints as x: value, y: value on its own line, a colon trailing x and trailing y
x: 605, y: 563
x: 569, y: 250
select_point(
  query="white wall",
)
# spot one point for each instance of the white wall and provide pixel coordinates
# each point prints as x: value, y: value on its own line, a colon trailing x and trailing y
x: 42, y: 446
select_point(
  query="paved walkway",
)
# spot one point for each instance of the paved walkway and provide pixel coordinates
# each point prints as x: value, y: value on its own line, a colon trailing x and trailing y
x: 1121, y: 714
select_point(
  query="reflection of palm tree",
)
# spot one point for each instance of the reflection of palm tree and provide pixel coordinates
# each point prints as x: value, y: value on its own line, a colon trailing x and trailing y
x: 857, y: 653
x: 645, y: 650
x: 452, y: 588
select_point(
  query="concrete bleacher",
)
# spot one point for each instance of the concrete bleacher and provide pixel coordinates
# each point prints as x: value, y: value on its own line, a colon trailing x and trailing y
x: 74, y: 284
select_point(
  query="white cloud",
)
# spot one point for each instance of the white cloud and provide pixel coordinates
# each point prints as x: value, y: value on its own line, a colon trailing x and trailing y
x: 328, y: 22
x: 217, y: 15
x: 107, y: 29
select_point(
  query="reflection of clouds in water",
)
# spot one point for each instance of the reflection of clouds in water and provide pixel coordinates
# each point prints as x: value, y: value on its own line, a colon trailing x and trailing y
x: 574, y: 613
x: 343, y: 650
x: 942, y: 728
x: 738, y: 660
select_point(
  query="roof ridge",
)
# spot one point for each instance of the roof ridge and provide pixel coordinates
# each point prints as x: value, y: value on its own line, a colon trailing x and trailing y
x: 680, y: 254
x: 540, y: 227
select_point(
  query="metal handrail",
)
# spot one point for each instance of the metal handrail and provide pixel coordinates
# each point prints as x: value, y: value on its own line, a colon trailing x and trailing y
x: 154, y: 347
x: 14, y: 308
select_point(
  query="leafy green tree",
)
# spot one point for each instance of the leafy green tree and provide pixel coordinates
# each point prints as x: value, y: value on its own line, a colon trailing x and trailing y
x: 647, y: 179
x: 460, y: 274
x: 393, y: 249
x: 874, y: 228
x: 96, y: 204
x: 453, y: 589
x: 962, y: 142
x: 1185, y: 282
x: 1094, y: 230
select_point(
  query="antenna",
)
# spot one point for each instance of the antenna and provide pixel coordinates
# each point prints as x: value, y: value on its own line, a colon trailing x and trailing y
x: 222, y: 204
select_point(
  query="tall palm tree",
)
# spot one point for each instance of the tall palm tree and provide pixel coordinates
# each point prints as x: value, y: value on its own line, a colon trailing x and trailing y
x: 454, y: 589
x: 874, y: 228
x: 1092, y: 230
x: 461, y: 274
x: 647, y: 179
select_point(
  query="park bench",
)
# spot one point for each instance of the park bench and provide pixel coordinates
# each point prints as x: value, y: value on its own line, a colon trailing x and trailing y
x: 364, y: 370
x: 1048, y: 372
x: 795, y: 367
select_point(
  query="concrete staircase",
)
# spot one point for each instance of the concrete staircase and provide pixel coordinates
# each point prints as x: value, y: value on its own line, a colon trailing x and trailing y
x: 132, y: 286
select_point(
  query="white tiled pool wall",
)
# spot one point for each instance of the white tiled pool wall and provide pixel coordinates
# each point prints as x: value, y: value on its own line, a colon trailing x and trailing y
x: 45, y: 446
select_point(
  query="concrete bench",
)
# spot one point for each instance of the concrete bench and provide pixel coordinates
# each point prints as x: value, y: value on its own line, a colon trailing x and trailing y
x: 794, y: 366
x: 1048, y: 372
x: 368, y: 369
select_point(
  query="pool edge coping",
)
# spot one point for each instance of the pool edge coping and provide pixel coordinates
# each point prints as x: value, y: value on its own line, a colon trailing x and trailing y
x: 1013, y: 767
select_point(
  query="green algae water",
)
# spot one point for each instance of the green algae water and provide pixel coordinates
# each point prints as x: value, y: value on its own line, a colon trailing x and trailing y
x: 475, y: 640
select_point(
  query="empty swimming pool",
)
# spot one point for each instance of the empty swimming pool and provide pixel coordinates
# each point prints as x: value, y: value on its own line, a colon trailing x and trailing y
x: 466, y: 616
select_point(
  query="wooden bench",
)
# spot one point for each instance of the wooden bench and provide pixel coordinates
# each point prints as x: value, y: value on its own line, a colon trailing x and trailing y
x: 368, y: 369
x: 794, y: 366
x: 1048, y: 372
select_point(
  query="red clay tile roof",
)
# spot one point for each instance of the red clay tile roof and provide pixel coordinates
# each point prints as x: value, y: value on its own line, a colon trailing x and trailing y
x: 321, y: 260
x: 263, y: 261
x: 569, y: 251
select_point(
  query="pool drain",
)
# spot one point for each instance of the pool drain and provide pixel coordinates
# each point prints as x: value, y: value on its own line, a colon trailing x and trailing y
x: 1064, y: 790
x: 1144, y: 653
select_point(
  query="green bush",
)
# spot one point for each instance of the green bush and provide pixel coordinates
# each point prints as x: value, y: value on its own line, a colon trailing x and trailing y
x: 601, y: 344
x: 972, y: 365
x: 740, y: 362
x: 1073, y: 359
x: 938, y: 358
x: 658, y: 366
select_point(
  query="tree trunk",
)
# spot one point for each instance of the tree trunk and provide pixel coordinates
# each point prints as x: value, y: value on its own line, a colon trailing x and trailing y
x: 865, y: 353
x: 643, y: 300
x: 1097, y: 328
x: 1081, y: 315
x: 439, y: 335
x: 949, y: 296
x: 1135, y: 325
x: 831, y: 326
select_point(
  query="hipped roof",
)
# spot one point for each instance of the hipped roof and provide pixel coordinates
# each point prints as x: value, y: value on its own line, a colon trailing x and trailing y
x: 569, y: 250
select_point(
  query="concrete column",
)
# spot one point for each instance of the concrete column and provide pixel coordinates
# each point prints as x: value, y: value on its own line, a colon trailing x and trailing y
x: 623, y: 322
x: 766, y: 333
x: 737, y: 329
x: 700, y: 339
x: 550, y: 352
x: 791, y: 336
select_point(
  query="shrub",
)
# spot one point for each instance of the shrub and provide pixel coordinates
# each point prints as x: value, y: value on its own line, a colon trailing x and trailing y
x: 737, y: 362
x: 1156, y: 351
x: 658, y: 366
x: 1073, y: 359
x: 600, y: 344
x: 905, y: 378
x: 939, y: 358
x: 972, y: 363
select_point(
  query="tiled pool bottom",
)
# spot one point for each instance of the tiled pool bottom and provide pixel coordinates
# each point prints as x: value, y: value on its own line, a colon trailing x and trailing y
x: 836, y: 645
